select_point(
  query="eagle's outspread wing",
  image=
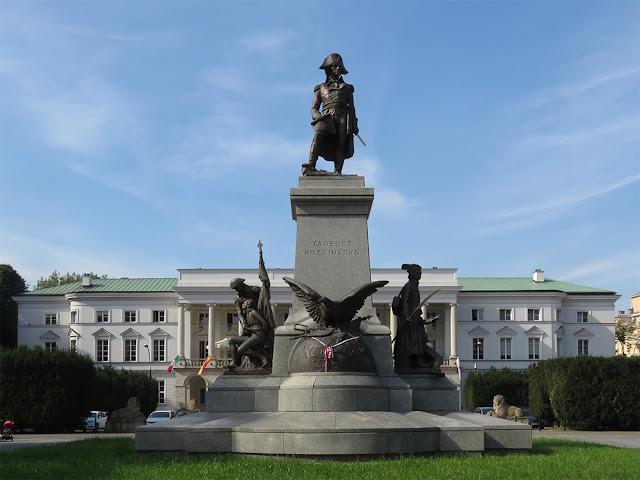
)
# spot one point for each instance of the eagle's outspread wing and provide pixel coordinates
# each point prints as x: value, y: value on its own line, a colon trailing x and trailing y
x: 354, y: 300
x: 312, y: 300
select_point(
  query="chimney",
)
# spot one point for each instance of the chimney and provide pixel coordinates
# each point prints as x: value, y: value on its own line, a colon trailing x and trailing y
x: 538, y: 276
x: 86, y: 280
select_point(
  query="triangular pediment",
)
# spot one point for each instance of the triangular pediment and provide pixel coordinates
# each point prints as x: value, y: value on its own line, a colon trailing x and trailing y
x: 129, y: 332
x: 102, y: 333
x: 583, y: 332
x: 73, y: 333
x: 559, y: 331
x: 478, y: 331
x: 158, y: 332
x: 506, y: 332
x: 204, y: 333
x: 534, y: 331
x: 49, y: 335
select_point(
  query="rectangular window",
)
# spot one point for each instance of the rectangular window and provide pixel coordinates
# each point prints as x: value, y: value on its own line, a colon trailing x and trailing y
x: 558, y: 315
x: 534, y: 349
x: 203, y: 319
x: 582, y: 317
x: 583, y: 347
x: 478, y: 348
x: 74, y: 316
x: 102, y: 316
x: 232, y: 319
x: 158, y: 316
x: 50, y: 318
x: 130, y: 350
x: 130, y: 316
x: 202, y: 349
x: 50, y: 346
x: 559, y: 347
x: 477, y: 314
x: 158, y: 351
x: 102, y: 350
x: 505, y: 314
x: 505, y: 349
x: 533, y: 314
x: 162, y: 390
x: 73, y: 344
x: 203, y: 395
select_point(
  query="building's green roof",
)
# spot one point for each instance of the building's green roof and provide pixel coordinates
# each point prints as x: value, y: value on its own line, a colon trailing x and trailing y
x: 105, y: 285
x: 525, y: 285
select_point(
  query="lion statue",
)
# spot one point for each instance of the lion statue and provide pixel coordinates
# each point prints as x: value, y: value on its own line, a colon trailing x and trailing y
x: 190, y: 408
x: 502, y: 409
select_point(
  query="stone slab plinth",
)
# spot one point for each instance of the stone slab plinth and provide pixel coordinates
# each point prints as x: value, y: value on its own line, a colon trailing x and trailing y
x: 333, y: 434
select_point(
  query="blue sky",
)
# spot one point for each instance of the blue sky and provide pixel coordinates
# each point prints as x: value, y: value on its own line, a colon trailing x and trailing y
x: 141, y: 137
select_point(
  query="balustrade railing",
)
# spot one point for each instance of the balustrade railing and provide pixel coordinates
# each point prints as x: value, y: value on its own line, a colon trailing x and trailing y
x: 197, y: 363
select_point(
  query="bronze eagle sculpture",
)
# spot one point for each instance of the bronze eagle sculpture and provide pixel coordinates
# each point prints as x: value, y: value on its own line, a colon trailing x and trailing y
x: 328, y: 313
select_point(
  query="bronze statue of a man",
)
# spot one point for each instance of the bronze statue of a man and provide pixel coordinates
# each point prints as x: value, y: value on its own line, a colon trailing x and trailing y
x: 336, y: 123
x: 411, y: 349
x: 251, y: 343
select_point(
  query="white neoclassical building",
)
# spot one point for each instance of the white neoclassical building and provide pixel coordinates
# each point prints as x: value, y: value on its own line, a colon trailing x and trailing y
x: 144, y: 323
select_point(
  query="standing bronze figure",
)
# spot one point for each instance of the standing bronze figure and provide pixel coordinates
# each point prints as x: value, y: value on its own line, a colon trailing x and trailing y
x: 336, y: 123
x: 411, y: 349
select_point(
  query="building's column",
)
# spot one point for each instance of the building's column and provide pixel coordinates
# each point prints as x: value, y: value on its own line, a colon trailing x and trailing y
x: 273, y: 310
x: 187, y: 333
x: 453, y: 327
x: 393, y: 326
x: 181, y: 330
x: 210, y: 334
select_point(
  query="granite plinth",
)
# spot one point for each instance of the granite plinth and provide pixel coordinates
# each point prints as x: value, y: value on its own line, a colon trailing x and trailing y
x: 331, y: 434
x: 432, y: 392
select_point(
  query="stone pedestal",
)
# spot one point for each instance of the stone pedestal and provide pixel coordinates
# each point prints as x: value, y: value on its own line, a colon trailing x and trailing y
x: 332, y: 257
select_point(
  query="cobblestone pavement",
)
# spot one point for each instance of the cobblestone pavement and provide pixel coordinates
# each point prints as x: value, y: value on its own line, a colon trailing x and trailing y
x: 617, y: 439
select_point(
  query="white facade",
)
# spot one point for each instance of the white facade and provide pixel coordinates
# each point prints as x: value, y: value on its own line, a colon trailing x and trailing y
x: 144, y: 330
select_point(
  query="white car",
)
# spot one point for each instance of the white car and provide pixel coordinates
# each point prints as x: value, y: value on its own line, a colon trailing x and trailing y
x: 160, y: 416
x: 95, y: 421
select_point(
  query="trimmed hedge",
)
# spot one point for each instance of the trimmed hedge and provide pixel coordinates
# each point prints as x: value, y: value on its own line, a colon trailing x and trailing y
x: 44, y: 390
x: 587, y: 393
x: 481, y: 387
x: 54, y: 390
x: 115, y: 387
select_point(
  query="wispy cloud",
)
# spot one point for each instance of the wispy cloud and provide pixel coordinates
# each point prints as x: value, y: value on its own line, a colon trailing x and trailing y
x: 572, y: 90
x: 567, y: 201
x: 585, y: 135
x: 268, y: 42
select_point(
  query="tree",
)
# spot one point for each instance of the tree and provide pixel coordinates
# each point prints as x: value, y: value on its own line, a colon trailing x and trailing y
x: 625, y: 334
x: 11, y: 283
x: 56, y: 279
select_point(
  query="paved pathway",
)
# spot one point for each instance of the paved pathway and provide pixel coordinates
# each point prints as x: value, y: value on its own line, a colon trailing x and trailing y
x: 617, y: 439
x: 21, y: 440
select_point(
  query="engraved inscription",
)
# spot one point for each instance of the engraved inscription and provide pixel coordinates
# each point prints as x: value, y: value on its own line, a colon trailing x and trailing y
x: 333, y: 248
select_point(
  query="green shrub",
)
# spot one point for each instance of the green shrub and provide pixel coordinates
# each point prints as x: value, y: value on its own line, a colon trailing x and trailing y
x: 45, y: 390
x: 481, y: 387
x: 115, y: 387
x: 587, y: 393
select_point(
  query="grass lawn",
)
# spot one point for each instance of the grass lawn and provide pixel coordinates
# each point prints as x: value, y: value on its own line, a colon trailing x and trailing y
x: 117, y: 458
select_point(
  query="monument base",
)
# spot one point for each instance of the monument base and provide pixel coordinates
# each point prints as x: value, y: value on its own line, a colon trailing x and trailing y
x: 335, y: 434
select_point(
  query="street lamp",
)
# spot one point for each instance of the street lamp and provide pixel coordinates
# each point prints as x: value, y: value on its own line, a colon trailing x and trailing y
x: 149, y: 354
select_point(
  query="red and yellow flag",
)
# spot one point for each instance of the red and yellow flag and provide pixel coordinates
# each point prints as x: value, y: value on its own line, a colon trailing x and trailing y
x: 206, y: 362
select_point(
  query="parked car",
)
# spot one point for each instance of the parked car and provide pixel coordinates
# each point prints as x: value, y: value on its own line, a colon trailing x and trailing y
x: 533, y: 421
x: 160, y: 416
x: 483, y: 410
x: 95, y: 421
